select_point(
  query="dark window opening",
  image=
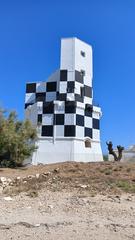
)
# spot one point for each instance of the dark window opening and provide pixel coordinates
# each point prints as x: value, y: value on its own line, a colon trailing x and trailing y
x: 87, y: 143
x: 83, y: 54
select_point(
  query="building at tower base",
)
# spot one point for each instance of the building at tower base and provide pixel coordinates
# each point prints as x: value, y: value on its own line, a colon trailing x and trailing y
x: 62, y: 109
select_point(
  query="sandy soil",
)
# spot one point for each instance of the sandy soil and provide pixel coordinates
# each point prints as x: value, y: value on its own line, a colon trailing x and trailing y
x: 65, y: 215
x: 66, y: 208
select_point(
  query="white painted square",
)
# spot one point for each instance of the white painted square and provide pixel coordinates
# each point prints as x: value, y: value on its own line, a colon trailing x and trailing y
x: 70, y: 97
x: 39, y: 107
x: 87, y: 100
x: 59, y: 131
x: 95, y: 115
x: 78, y: 87
x: 30, y: 97
x: 47, y: 119
x: 50, y: 96
x: 80, y: 111
x: 71, y: 76
x: 79, y: 132
x: 88, y: 122
x: 59, y: 107
x: 63, y: 87
x: 41, y: 87
x: 96, y: 134
x: 88, y: 80
x: 70, y: 119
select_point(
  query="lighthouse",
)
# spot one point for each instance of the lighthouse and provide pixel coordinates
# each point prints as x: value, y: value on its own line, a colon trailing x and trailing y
x: 62, y: 110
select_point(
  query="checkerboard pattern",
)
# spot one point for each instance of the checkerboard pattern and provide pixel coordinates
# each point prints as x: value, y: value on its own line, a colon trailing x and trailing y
x: 64, y: 107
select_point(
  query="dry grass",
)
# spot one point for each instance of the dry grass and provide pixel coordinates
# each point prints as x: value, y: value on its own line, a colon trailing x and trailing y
x: 106, y: 177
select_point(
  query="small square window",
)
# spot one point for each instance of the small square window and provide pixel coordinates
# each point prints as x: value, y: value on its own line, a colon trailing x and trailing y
x: 83, y: 53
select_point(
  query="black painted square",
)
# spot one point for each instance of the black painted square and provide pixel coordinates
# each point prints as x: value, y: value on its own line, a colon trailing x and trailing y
x: 96, y: 123
x: 78, y: 98
x: 70, y: 107
x: 59, y: 119
x: 87, y: 91
x: 88, y: 132
x: 62, y: 96
x: 30, y: 87
x: 69, y: 131
x: 70, y: 87
x: 88, y: 110
x: 51, y: 87
x: 47, y: 131
x: 39, y: 118
x: 79, y: 120
x: 63, y: 75
x: 78, y: 77
x: 48, y: 107
x: 40, y: 97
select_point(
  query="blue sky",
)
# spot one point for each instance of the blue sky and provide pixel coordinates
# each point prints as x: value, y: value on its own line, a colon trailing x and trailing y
x: 30, y: 33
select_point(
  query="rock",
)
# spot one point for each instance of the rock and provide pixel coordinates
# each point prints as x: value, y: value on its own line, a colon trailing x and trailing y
x: 37, y: 225
x: 45, y: 174
x: 83, y: 186
x: 29, y: 207
x: 129, y: 198
x: 3, y: 180
x: 30, y: 176
x: 8, y: 199
x: 24, y: 182
x: 18, y: 178
x: 50, y: 206
x: 56, y: 170
x: 37, y: 175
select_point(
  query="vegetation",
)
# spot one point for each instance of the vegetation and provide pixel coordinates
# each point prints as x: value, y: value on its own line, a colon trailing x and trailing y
x: 112, y: 151
x: 105, y: 157
x: 16, y: 140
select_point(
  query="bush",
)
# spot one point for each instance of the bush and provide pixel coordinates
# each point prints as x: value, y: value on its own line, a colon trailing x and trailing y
x: 16, y: 140
x: 105, y: 158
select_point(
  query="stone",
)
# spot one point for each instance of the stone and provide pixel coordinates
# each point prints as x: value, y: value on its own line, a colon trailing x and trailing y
x: 83, y: 186
x: 50, y: 206
x: 8, y: 199
x: 37, y: 175
x: 18, y: 178
x: 3, y: 179
x: 30, y: 176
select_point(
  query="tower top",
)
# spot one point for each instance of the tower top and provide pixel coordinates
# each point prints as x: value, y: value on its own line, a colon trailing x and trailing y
x: 76, y: 55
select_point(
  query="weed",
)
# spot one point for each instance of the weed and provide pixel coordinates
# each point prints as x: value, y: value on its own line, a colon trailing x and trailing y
x: 126, y: 186
x: 32, y: 194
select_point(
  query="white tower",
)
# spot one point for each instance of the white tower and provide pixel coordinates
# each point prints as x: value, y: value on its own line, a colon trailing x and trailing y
x: 62, y: 109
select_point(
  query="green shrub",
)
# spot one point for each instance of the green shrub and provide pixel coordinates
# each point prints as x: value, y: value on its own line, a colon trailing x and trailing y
x: 126, y: 186
x: 105, y: 158
x: 16, y: 140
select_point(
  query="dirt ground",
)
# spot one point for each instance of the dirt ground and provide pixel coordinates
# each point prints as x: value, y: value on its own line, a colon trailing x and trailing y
x: 89, y: 201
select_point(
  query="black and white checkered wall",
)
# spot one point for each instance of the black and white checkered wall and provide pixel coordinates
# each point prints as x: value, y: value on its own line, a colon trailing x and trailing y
x: 64, y: 107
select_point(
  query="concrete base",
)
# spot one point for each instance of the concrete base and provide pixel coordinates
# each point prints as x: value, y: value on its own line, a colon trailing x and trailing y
x: 61, y: 150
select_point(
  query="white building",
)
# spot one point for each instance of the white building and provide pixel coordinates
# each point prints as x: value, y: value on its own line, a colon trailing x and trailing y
x: 61, y: 108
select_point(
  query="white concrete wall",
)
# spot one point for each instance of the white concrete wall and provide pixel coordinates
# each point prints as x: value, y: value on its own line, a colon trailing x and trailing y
x: 61, y: 150
x: 84, y: 63
x: 31, y: 114
x: 50, y: 151
x: 81, y: 153
x: 71, y: 58
x: 67, y: 60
